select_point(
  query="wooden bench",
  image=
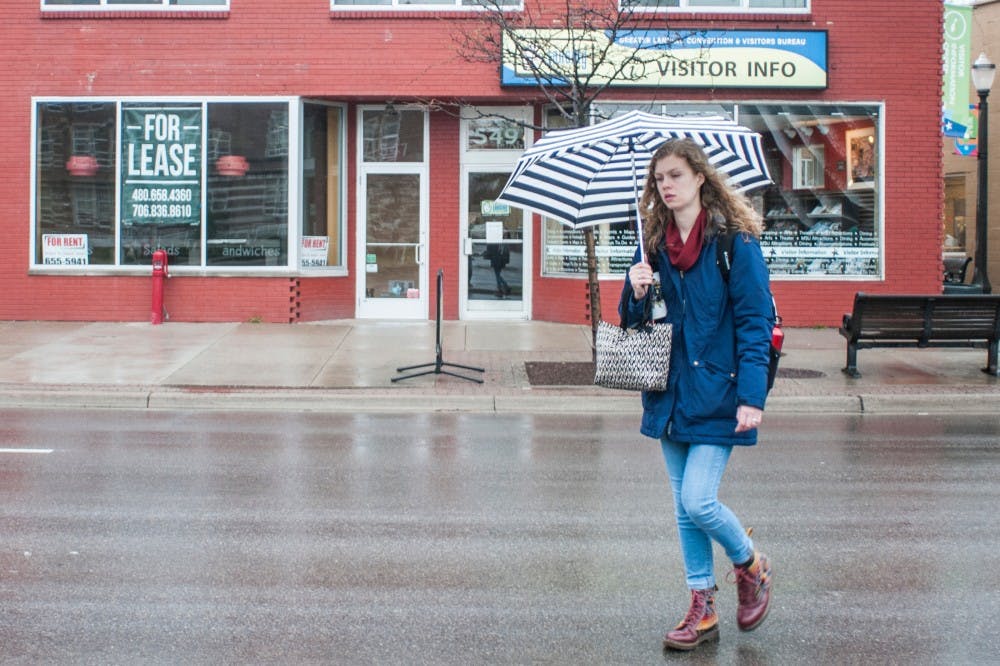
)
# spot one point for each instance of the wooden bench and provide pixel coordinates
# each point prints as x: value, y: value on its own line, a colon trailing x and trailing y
x: 943, y: 320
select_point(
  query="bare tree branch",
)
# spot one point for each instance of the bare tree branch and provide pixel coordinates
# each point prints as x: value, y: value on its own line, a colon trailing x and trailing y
x: 572, y: 55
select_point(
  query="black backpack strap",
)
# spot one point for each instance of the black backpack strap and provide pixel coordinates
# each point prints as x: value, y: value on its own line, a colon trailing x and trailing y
x: 724, y: 253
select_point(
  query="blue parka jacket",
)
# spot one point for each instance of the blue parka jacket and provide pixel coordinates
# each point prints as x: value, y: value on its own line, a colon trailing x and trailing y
x: 721, y: 342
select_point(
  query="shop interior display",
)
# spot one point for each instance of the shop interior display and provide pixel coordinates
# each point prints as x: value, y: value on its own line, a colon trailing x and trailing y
x: 820, y: 213
x: 820, y: 232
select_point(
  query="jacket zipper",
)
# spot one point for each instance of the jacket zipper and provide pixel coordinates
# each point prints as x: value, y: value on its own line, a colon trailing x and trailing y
x: 670, y: 419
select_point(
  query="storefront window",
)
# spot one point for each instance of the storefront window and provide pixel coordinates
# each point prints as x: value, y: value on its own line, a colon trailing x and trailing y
x: 323, y: 192
x: 247, y: 210
x: 821, y: 215
x: 75, y: 184
x: 161, y: 179
x: 206, y: 181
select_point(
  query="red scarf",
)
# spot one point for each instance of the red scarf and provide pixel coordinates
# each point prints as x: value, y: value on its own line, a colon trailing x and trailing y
x: 683, y: 254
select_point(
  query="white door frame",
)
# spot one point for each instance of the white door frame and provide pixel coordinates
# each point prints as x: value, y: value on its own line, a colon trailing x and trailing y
x: 474, y: 161
x: 392, y: 308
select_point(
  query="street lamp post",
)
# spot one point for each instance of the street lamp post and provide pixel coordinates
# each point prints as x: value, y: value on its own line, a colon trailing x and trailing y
x: 983, y: 72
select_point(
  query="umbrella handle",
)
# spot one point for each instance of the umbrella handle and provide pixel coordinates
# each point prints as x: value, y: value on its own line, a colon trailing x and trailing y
x: 638, y: 227
x: 638, y: 218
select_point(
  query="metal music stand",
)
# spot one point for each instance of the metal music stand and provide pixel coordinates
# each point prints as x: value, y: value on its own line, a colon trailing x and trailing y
x: 439, y: 363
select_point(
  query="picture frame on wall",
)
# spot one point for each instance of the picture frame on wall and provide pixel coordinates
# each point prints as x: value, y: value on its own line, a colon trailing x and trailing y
x: 862, y: 157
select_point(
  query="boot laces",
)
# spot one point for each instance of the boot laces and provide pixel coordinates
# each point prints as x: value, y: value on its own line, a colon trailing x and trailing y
x: 699, y: 604
x: 749, y: 580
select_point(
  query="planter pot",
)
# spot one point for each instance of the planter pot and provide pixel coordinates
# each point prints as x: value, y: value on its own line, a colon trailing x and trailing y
x: 232, y: 165
x: 82, y: 165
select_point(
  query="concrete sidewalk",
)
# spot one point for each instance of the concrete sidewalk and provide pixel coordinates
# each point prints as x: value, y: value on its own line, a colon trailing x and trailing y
x: 349, y: 365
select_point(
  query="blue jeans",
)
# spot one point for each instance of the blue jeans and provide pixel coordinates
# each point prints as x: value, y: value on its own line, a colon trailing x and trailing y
x: 695, y: 473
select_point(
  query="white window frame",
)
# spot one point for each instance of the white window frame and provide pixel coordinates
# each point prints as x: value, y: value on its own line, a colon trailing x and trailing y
x: 163, y: 6
x: 743, y: 8
x: 418, y: 6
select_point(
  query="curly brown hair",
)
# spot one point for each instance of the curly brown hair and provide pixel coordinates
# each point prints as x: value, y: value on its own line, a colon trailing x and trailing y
x: 727, y: 209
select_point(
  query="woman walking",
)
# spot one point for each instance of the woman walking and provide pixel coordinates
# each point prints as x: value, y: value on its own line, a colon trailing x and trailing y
x: 718, y: 368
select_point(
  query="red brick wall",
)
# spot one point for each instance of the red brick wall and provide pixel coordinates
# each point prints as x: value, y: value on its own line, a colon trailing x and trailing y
x: 372, y: 57
x: 445, y: 215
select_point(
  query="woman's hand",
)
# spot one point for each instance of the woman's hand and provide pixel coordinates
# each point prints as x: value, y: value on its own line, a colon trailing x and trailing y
x: 641, y: 276
x: 747, y: 418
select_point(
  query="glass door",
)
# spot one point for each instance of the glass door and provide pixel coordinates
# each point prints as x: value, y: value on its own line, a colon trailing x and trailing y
x: 392, y: 215
x: 494, y: 249
x: 495, y: 266
x: 393, y: 270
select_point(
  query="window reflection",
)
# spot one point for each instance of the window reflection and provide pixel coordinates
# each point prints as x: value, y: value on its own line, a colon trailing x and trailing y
x: 391, y: 135
x: 821, y: 214
x: 247, y: 184
x: 75, y: 204
x: 393, y: 235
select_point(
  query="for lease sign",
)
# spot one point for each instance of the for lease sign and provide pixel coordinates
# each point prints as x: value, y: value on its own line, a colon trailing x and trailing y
x: 161, y: 164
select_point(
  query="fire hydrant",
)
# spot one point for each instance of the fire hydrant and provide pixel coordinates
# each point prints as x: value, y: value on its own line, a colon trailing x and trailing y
x: 159, y: 273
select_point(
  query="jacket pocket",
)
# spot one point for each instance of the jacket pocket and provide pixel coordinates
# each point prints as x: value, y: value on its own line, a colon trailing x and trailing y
x: 711, y: 394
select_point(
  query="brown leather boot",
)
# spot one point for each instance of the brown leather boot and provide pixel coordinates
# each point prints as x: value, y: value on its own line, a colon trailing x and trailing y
x: 753, y: 589
x: 699, y: 625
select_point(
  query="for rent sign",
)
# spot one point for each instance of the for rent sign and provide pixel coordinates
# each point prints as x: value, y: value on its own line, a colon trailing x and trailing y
x: 65, y: 250
x: 161, y: 164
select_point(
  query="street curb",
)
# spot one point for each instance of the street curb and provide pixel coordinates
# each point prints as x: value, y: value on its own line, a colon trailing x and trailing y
x: 82, y: 397
x: 318, y: 400
x: 940, y: 403
x: 813, y: 404
x: 569, y: 403
x: 383, y: 400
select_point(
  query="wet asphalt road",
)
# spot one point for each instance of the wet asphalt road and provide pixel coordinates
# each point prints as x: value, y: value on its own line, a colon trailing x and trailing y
x: 166, y: 537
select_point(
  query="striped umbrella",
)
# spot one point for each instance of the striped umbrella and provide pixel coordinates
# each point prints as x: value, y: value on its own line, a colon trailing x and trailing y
x: 593, y: 175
